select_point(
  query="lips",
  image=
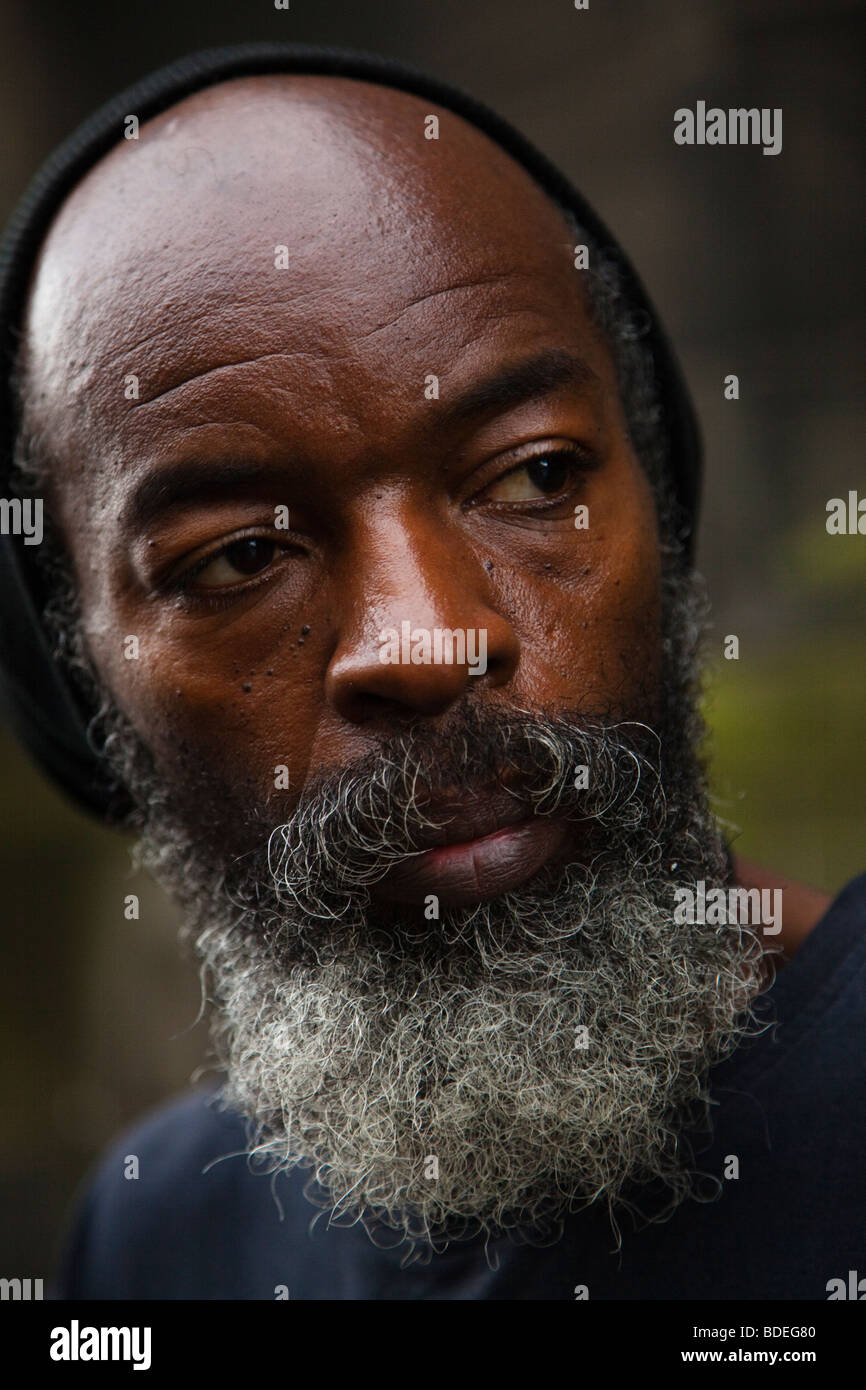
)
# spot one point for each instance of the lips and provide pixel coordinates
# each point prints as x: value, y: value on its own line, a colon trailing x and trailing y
x: 485, y: 847
x: 471, y: 817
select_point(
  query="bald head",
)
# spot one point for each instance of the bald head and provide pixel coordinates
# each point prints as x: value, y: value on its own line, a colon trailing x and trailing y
x: 172, y: 241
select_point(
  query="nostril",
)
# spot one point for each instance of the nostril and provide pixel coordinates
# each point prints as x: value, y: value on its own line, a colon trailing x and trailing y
x: 369, y: 707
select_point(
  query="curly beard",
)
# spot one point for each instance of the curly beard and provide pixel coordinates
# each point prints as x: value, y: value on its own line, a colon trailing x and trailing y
x: 494, y: 1067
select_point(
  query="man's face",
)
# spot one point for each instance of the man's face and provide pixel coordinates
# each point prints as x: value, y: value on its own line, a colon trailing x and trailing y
x: 383, y: 339
x: 307, y: 388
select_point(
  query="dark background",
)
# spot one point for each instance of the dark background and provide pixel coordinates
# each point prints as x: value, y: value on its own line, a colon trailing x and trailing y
x: 755, y: 264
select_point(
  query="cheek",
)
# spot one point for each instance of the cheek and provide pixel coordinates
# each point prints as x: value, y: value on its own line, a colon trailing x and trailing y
x: 228, y: 731
x: 625, y: 628
x: 589, y: 622
x: 226, y: 705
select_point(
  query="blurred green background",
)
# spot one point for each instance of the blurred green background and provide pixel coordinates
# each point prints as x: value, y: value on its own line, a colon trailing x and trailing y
x: 789, y: 761
x: 756, y: 266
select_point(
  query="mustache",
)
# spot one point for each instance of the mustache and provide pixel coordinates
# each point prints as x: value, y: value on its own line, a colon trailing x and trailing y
x: 350, y: 828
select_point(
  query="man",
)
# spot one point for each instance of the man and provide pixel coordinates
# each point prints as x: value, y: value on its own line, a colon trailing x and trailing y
x: 370, y: 487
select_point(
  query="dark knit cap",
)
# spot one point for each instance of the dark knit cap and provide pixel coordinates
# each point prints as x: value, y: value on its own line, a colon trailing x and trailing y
x: 42, y: 705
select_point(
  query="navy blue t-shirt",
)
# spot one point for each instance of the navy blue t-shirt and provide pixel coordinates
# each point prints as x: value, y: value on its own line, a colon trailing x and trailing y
x: 791, y: 1109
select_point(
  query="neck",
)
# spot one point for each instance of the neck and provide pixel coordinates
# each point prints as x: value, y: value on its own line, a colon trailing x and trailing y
x: 802, y: 906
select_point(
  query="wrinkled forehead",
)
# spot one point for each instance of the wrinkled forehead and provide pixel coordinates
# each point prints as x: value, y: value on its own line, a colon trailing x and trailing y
x: 270, y: 201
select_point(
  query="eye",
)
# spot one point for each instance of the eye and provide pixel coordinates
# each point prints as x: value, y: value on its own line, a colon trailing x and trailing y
x: 543, y: 475
x: 243, y: 559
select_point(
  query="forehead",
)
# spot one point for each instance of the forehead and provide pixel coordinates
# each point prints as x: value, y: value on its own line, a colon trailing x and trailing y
x: 287, y: 225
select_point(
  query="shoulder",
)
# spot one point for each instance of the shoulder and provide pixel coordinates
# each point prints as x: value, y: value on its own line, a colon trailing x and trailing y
x: 175, y: 1142
x: 812, y: 1016
x: 160, y: 1213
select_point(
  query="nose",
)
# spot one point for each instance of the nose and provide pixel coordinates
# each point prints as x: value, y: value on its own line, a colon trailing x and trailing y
x: 417, y: 629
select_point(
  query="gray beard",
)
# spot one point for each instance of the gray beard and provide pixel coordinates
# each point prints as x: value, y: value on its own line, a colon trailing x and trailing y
x: 496, y: 1067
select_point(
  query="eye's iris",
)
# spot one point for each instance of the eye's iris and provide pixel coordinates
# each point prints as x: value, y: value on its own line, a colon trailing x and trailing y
x: 250, y: 555
x: 548, y: 472
x: 544, y: 475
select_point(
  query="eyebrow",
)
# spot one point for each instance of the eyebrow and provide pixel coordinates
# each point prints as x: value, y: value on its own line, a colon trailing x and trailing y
x: 540, y: 375
x: 199, y: 480
x: 204, y: 480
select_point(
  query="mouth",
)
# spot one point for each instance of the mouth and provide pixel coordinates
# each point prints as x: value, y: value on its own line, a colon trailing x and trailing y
x: 486, y: 847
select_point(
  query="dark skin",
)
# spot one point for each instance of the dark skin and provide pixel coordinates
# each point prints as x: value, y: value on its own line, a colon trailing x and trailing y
x: 305, y: 388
